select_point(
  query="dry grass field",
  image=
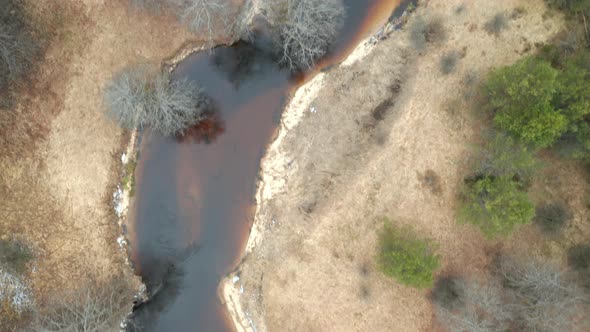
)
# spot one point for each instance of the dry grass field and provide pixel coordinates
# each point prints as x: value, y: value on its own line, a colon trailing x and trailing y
x: 60, y: 156
x: 391, y: 137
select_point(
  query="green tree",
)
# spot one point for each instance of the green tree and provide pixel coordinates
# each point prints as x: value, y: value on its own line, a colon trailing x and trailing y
x: 573, y: 90
x: 496, y: 206
x: 406, y: 257
x: 521, y: 96
x: 504, y: 156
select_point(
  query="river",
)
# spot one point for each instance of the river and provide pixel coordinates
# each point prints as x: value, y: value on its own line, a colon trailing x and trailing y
x: 195, y: 196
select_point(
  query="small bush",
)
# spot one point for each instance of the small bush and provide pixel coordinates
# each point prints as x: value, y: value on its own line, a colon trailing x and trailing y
x: 14, y: 256
x: 448, y: 62
x: 425, y: 31
x: 497, y: 24
x: 448, y: 293
x: 432, y: 181
x: 552, y: 217
x: 496, y: 206
x: 138, y: 98
x: 407, y: 258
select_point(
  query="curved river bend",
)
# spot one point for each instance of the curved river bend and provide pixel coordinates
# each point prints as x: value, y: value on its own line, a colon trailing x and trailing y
x: 194, y: 205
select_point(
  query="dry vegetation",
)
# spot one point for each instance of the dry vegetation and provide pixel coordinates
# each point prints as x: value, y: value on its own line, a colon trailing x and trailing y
x: 390, y: 138
x: 60, y: 156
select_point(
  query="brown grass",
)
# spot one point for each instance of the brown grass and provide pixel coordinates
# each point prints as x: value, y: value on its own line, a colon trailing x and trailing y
x: 308, y: 263
x: 59, y: 155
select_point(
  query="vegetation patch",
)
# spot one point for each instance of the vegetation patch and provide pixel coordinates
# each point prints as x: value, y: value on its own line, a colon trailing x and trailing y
x: 18, y: 48
x: 448, y: 62
x: 552, y: 217
x: 496, y: 206
x: 448, y: 292
x: 128, y: 180
x: 14, y: 256
x: 503, y: 156
x: 424, y: 31
x: 406, y: 257
x: 497, y: 24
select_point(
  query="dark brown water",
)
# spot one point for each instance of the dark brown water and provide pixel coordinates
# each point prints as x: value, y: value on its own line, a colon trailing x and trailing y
x: 195, y: 196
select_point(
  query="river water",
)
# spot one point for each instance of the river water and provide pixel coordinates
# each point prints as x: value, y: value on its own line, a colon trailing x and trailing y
x: 195, y: 196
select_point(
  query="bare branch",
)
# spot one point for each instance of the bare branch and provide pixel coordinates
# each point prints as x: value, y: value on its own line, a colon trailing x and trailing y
x: 306, y: 29
x: 546, y: 299
x: 138, y: 98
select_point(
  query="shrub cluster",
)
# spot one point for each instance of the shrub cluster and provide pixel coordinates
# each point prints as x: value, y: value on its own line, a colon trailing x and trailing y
x: 406, y: 257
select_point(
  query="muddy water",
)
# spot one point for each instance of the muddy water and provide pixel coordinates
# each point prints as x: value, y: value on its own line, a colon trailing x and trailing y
x: 195, y: 195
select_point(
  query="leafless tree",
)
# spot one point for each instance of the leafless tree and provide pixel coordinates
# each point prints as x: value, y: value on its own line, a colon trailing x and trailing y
x: 138, y: 97
x: 482, y: 308
x: 207, y: 17
x: 305, y: 29
x: 97, y: 307
x: 546, y: 298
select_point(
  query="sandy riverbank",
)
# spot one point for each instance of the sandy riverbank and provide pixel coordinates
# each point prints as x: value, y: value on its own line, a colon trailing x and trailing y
x: 272, y: 180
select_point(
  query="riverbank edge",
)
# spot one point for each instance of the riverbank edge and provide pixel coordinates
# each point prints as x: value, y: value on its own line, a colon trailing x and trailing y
x: 122, y: 198
x: 276, y: 162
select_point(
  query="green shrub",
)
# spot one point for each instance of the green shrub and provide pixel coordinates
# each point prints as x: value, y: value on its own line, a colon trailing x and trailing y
x: 407, y: 258
x: 552, y: 217
x: 504, y: 156
x: 496, y: 206
x: 521, y: 96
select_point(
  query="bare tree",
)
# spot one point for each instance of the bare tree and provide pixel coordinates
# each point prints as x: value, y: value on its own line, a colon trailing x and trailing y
x: 207, y: 17
x: 305, y: 29
x: 138, y: 98
x: 482, y: 308
x: 96, y: 307
x: 546, y: 298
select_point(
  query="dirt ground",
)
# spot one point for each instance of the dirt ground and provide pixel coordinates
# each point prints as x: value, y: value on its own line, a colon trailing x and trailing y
x: 57, y: 196
x: 381, y: 125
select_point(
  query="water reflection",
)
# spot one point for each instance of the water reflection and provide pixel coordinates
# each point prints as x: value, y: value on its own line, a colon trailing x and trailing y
x: 200, y: 194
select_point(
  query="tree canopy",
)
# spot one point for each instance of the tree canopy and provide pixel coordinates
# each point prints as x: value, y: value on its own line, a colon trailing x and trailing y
x: 496, y: 206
